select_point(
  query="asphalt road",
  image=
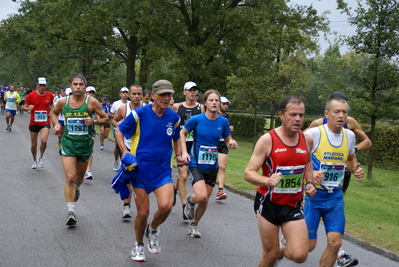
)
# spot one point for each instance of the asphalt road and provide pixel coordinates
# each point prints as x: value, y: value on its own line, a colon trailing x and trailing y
x: 33, y: 213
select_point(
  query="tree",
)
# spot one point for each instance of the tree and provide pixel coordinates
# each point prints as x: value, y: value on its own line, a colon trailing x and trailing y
x: 374, y: 63
x: 273, y: 57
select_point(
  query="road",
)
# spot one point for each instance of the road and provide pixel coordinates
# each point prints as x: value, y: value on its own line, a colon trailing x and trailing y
x: 33, y: 213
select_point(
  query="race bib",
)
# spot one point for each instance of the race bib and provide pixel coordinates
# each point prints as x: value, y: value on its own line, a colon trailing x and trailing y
x: 40, y: 116
x: 77, y: 126
x: 291, y: 181
x: 207, y: 155
x: 334, y: 175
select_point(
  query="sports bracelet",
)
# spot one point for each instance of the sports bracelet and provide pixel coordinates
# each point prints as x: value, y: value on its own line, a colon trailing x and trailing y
x: 310, y: 183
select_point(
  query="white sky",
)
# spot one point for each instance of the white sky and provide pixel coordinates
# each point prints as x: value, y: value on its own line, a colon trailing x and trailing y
x: 338, y: 22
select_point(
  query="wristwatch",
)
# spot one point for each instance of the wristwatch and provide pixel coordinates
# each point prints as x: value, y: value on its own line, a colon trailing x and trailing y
x: 355, y: 149
x: 94, y: 122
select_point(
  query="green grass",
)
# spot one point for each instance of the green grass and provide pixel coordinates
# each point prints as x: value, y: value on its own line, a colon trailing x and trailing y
x: 371, y: 206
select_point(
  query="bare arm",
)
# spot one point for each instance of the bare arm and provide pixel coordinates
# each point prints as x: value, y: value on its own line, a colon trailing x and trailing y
x: 184, y: 152
x: 54, y: 115
x: 94, y: 107
x: 355, y: 127
x: 315, y: 123
x: 119, y: 116
x: 310, y: 189
x: 261, y: 152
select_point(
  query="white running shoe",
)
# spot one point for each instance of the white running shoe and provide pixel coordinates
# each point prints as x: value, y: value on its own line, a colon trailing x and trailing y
x: 138, y: 252
x: 88, y: 175
x: 40, y: 162
x: 116, y: 166
x: 126, y: 213
x: 34, y: 165
x: 193, y: 231
x: 153, y: 243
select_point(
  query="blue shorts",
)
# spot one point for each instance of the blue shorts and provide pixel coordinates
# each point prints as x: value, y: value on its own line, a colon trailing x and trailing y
x: 150, y: 186
x: 61, y: 122
x: 330, y: 207
x: 13, y: 112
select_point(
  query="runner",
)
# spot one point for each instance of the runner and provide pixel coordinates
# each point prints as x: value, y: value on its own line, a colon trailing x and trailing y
x: 333, y: 147
x: 12, y: 99
x: 207, y: 129
x: 104, y: 129
x: 223, y: 150
x: 190, y: 107
x: 135, y: 95
x: 77, y: 142
x: 152, y: 129
x: 38, y: 104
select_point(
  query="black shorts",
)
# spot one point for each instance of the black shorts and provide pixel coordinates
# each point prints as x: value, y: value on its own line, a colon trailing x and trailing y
x: 347, y: 179
x: 222, y: 148
x: 275, y: 213
x: 196, y: 174
x: 34, y: 128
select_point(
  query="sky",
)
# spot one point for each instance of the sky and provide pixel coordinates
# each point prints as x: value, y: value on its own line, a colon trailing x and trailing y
x: 338, y: 22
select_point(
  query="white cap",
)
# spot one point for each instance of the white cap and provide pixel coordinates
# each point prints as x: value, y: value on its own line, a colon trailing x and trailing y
x: 124, y: 89
x: 68, y: 91
x: 189, y: 85
x: 224, y: 100
x: 90, y: 88
x: 41, y: 80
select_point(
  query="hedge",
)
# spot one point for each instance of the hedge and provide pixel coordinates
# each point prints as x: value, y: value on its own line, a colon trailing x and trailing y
x: 385, y: 146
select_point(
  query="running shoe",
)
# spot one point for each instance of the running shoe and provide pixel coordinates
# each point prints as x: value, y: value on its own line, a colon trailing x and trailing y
x: 221, y: 195
x: 58, y: 145
x: 152, y: 236
x: 9, y: 128
x: 40, y: 162
x: 126, y: 212
x: 116, y: 166
x: 102, y: 147
x: 189, y: 209
x: 184, y: 215
x: 347, y: 260
x: 77, y: 190
x: 193, y: 231
x: 71, y: 219
x: 34, y: 165
x: 138, y: 252
x: 88, y: 175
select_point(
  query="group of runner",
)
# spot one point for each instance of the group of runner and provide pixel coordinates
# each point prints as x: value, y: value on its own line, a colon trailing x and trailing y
x: 316, y: 163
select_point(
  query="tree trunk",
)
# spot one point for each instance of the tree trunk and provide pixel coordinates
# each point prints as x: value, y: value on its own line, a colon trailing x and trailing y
x: 370, y: 157
x: 131, y: 61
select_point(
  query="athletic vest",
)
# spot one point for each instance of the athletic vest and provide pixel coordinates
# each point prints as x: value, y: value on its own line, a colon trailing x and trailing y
x: 185, y: 114
x: 290, y: 161
x: 332, y: 159
x: 75, y: 128
x: 105, y: 108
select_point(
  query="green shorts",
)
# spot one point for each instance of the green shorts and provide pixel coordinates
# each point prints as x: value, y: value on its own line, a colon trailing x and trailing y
x: 81, y: 150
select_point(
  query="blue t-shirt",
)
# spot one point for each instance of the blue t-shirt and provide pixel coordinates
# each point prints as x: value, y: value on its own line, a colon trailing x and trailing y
x: 151, y: 141
x: 106, y: 108
x: 207, y: 133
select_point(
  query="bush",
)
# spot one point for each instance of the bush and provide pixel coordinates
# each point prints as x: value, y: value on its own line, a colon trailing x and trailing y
x: 244, y: 126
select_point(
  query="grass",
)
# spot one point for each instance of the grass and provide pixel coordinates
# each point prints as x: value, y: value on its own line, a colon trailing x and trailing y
x: 371, y: 206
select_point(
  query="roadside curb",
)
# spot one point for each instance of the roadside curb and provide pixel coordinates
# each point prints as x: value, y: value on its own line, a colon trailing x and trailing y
x: 361, y: 243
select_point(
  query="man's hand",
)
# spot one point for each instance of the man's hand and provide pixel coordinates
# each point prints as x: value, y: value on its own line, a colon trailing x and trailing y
x: 318, y: 176
x: 358, y: 172
x: 274, y: 179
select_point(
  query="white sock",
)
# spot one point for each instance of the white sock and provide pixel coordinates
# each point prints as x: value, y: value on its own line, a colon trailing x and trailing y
x: 71, y: 206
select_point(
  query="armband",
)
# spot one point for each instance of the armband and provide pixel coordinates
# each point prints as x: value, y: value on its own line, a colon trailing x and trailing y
x: 355, y: 149
x: 178, y: 155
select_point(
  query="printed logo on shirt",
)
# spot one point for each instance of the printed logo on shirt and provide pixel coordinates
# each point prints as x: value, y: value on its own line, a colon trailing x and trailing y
x: 280, y: 150
x: 300, y: 151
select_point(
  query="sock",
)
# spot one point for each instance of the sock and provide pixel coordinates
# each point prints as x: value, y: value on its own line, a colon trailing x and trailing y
x: 126, y: 204
x: 151, y: 229
x: 140, y: 243
x: 341, y: 251
x: 220, y: 189
x: 71, y: 206
x: 194, y: 224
